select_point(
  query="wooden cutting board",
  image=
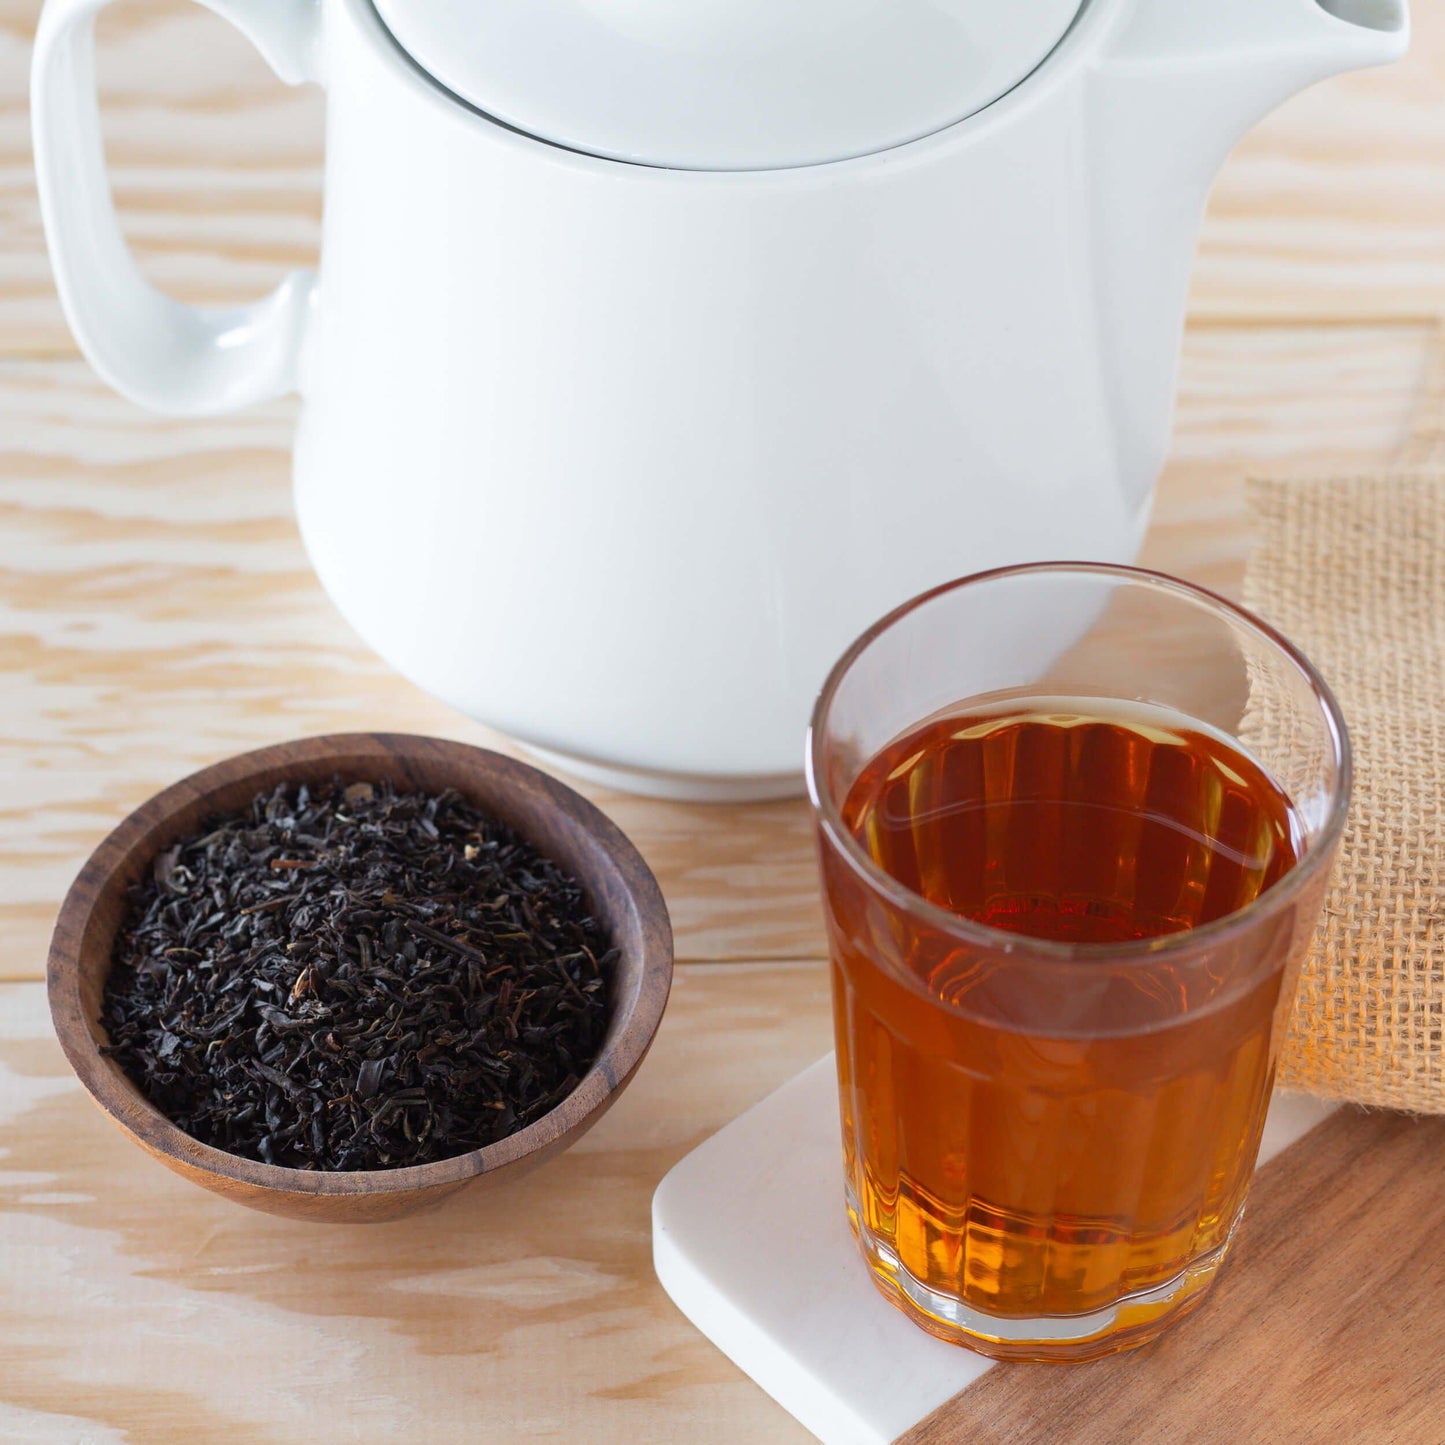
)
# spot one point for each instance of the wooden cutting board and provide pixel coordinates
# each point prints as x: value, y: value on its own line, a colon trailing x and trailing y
x: 1324, y: 1326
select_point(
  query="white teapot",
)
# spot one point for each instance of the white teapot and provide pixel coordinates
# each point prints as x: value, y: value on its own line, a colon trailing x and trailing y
x: 659, y: 346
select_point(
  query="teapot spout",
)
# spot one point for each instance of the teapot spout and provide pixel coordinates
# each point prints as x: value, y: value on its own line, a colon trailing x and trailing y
x: 1218, y: 67
x: 1175, y: 85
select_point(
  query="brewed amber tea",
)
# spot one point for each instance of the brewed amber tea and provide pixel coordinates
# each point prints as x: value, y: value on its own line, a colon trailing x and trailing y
x: 1064, y: 1136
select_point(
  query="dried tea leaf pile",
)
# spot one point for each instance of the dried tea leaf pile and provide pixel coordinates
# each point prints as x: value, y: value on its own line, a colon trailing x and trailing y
x: 355, y: 978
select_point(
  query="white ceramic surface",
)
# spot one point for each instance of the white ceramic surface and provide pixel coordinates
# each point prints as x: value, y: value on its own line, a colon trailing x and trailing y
x: 727, y: 85
x: 750, y: 1238
x: 619, y: 458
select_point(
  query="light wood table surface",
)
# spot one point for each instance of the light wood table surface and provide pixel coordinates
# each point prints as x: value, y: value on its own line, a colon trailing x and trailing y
x: 157, y: 613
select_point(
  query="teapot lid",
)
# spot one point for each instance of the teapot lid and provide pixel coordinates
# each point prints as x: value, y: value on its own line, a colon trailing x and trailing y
x: 728, y: 84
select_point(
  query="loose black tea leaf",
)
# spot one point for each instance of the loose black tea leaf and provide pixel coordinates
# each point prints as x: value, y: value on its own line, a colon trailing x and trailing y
x: 356, y: 978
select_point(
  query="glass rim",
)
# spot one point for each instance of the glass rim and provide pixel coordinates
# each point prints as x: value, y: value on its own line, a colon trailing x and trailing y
x: 1146, y: 950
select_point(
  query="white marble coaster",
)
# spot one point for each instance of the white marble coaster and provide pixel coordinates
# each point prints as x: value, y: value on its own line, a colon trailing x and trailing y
x: 749, y: 1237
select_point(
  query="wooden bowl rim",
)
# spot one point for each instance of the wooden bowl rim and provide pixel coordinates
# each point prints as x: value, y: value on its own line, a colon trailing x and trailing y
x: 630, y: 1031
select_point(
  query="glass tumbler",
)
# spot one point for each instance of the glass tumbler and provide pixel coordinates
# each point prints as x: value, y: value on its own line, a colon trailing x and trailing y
x: 1052, y: 1093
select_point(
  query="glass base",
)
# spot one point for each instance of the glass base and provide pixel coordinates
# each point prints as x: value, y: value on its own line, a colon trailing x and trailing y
x: 1126, y: 1324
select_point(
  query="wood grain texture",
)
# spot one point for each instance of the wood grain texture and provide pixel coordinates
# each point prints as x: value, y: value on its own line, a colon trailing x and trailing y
x: 134, y: 1306
x: 157, y: 613
x: 1321, y: 1328
x: 558, y: 822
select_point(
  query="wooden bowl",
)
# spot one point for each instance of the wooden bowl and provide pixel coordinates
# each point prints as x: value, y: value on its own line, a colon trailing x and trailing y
x: 553, y: 818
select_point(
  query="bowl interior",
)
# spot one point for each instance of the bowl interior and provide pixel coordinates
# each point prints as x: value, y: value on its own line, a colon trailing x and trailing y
x: 554, y: 819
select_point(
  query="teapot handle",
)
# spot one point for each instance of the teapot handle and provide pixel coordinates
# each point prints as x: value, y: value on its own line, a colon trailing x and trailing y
x: 183, y: 360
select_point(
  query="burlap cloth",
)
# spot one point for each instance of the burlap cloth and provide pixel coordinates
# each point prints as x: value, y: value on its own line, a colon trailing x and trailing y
x: 1353, y: 571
